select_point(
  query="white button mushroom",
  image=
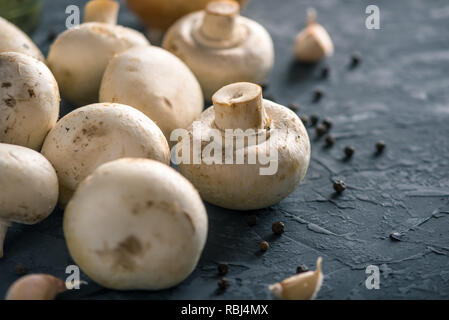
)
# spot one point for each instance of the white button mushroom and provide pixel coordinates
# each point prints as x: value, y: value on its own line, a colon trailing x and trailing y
x: 79, y: 56
x: 29, y: 187
x: 313, y: 43
x: 29, y: 100
x: 244, y: 185
x: 303, y: 286
x: 92, y: 135
x: 221, y: 47
x: 136, y: 224
x: 35, y: 287
x: 12, y: 39
x: 155, y: 82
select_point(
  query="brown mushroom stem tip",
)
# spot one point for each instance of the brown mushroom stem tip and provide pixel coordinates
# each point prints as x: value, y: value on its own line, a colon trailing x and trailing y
x: 105, y: 11
x: 239, y: 106
x: 219, y: 19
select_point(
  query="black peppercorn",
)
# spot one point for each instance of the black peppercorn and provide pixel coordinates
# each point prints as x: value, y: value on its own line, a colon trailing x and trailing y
x: 317, y: 95
x: 278, y: 227
x: 223, y: 284
x: 293, y: 107
x: 251, y: 220
x: 380, y: 146
x: 314, y: 119
x: 20, y: 269
x: 320, y: 130
x: 223, y: 268
x: 395, y: 236
x: 325, y: 72
x: 339, y: 186
x: 355, y: 60
x: 349, y: 151
x: 302, y: 268
x: 329, y: 140
x: 327, y: 123
x: 304, y: 119
x: 264, y: 246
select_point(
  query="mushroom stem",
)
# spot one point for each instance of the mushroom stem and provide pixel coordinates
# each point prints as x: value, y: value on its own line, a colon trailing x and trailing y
x: 3, y: 229
x: 239, y: 106
x: 101, y: 11
x: 219, y: 19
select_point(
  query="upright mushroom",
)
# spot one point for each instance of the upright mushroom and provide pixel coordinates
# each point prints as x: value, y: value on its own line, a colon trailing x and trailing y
x: 136, y: 224
x: 155, y: 82
x: 221, y: 47
x: 79, y: 56
x: 12, y: 39
x: 29, y: 187
x: 29, y: 100
x: 161, y: 14
x: 92, y: 135
x: 269, y: 158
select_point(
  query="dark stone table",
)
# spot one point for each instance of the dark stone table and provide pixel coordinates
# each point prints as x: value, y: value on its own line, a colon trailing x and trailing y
x: 399, y: 93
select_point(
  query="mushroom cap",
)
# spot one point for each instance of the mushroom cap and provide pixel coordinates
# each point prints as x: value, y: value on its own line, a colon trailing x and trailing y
x: 12, y: 39
x: 92, y: 135
x: 79, y: 56
x: 241, y: 186
x: 136, y: 224
x: 28, y: 184
x: 29, y: 100
x: 155, y: 82
x: 161, y: 14
x: 250, y: 58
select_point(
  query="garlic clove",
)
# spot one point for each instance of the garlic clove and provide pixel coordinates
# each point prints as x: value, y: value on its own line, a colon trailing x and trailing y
x: 303, y: 286
x: 36, y: 287
x: 313, y: 43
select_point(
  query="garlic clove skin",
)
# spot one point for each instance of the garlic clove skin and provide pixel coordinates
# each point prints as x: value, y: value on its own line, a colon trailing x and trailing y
x: 313, y: 43
x: 303, y: 286
x: 35, y: 287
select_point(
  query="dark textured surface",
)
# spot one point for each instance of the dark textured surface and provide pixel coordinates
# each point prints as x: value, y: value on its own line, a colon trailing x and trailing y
x: 398, y: 94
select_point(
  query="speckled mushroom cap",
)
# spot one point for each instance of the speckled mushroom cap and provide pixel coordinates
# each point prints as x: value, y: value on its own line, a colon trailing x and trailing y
x: 221, y: 47
x: 92, y: 135
x: 242, y: 186
x: 29, y: 100
x: 79, y: 56
x: 12, y: 39
x: 155, y: 82
x: 136, y: 224
x: 28, y: 187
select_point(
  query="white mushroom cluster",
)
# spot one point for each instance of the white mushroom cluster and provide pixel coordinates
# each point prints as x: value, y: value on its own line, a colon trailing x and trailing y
x: 131, y: 221
x: 221, y: 47
x: 79, y: 56
x: 92, y: 135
